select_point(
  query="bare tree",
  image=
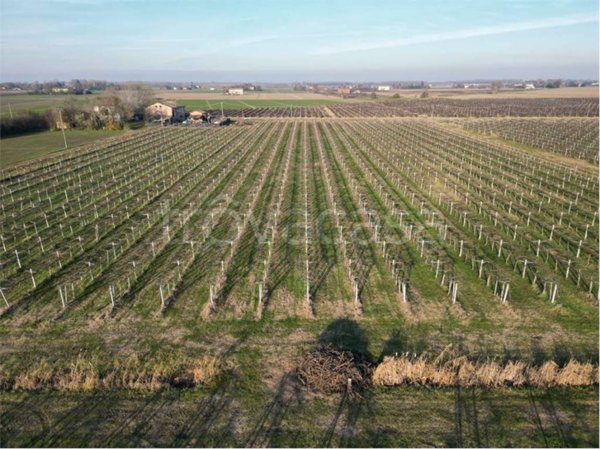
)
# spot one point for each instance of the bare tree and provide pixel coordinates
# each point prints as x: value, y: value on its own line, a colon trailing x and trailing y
x: 134, y: 97
x: 127, y: 101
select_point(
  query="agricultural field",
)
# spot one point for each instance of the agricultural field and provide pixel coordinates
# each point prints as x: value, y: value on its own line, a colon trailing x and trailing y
x: 183, y: 281
x: 275, y: 112
x: 251, y: 104
x: 573, y: 137
x: 432, y: 107
x: 268, y: 94
x: 39, y: 103
x: 501, y: 106
x: 487, y: 94
x: 14, y: 150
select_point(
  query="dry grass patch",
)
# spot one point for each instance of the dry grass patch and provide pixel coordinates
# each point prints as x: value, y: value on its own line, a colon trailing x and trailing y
x: 87, y: 374
x: 407, y: 370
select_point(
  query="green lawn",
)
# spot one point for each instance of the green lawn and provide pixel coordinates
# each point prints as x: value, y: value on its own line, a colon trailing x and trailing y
x: 23, y: 148
x: 241, y: 104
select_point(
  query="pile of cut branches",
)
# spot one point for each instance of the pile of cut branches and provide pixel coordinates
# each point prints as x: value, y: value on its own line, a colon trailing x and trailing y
x: 326, y: 369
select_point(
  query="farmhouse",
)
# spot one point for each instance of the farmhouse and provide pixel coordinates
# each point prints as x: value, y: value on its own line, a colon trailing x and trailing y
x: 235, y: 91
x: 343, y: 91
x: 383, y: 88
x: 165, y: 112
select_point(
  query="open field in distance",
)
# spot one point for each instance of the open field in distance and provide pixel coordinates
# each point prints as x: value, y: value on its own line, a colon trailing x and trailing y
x: 38, y: 103
x: 267, y: 95
x: 563, y: 92
x: 242, y: 103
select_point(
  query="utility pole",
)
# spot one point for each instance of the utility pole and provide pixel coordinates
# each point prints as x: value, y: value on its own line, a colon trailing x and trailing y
x: 10, y: 111
x: 62, y: 128
x: 222, y: 114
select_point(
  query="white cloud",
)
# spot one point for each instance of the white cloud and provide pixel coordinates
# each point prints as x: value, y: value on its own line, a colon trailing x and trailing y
x: 460, y: 34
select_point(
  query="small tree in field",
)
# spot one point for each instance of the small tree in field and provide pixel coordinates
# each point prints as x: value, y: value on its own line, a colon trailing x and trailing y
x: 496, y: 86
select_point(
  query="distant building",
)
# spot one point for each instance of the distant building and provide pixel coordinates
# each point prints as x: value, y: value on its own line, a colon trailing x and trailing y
x: 165, y: 112
x: 235, y: 91
x: 344, y: 90
x: 529, y: 86
x: 475, y: 86
x: 383, y: 88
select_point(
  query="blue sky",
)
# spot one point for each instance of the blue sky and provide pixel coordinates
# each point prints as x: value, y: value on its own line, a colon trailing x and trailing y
x: 289, y: 40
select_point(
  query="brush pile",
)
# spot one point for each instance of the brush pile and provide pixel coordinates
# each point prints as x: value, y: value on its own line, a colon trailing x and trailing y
x: 328, y: 370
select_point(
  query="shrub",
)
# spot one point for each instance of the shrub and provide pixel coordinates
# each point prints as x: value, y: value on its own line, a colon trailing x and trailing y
x: 23, y: 123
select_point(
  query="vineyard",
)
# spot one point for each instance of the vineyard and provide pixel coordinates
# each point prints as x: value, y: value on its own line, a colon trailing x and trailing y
x: 435, y: 107
x: 240, y: 247
x: 282, y: 112
x: 501, y: 107
x: 229, y: 223
x: 576, y: 138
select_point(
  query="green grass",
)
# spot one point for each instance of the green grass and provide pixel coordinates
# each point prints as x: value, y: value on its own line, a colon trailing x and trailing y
x: 190, y: 105
x: 37, y: 103
x: 256, y: 404
x: 225, y: 416
x: 14, y: 150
